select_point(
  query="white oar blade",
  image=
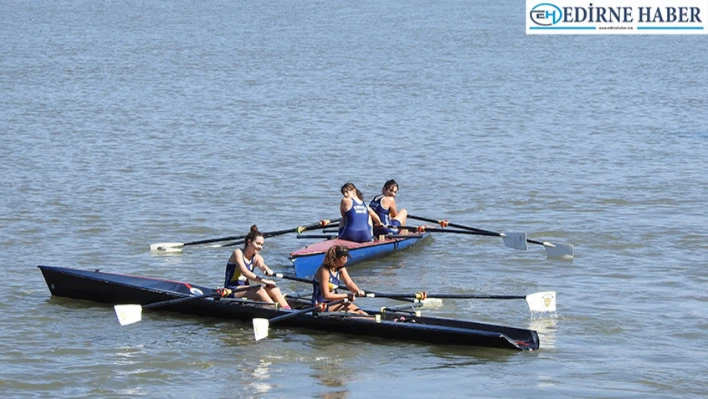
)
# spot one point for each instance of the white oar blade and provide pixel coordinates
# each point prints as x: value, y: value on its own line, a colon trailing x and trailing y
x: 542, y: 301
x: 515, y: 240
x: 559, y: 250
x: 432, y: 303
x: 128, y: 314
x: 260, y: 328
x: 167, y: 247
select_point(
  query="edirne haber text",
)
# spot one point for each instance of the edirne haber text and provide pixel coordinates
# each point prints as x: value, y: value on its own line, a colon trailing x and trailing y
x: 625, y: 15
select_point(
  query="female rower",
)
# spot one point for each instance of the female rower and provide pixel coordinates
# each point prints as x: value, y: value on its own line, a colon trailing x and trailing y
x: 328, y: 277
x: 356, y: 224
x: 384, y: 205
x: 240, y: 267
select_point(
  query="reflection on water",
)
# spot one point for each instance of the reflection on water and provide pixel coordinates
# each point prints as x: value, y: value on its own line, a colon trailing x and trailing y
x: 260, y: 377
x: 330, y: 374
x: 546, y: 328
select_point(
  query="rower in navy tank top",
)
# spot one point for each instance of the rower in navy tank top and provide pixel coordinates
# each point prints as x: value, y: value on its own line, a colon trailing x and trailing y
x: 240, y: 270
x: 329, y: 276
x: 317, y: 296
x: 384, y: 205
x: 234, y: 277
x: 388, y: 224
x: 356, y: 224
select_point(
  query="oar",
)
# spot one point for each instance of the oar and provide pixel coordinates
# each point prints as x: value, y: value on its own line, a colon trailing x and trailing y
x: 538, y: 302
x: 178, y: 246
x: 299, y: 229
x: 423, y: 229
x: 512, y: 240
x: 431, y: 302
x: 325, y: 236
x: 129, y: 314
x: 260, y: 325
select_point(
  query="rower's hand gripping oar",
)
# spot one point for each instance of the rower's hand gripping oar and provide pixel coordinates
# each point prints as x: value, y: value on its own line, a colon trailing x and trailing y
x: 129, y: 314
x: 178, y: 246
x: 260, y: 325
x: 512, y: 240
x: 538, y: 302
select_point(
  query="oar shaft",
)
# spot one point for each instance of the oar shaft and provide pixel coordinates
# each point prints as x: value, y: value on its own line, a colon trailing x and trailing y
x: 293, y: 278
x: 299, y: 229
x: 209, y: 241
x: 303, y: 311
x: 442, y: 296
x: 180, y: 300
x: 437, y: 230
x: 459, y: 226
x: 215, y: 294
x: 458, y: 296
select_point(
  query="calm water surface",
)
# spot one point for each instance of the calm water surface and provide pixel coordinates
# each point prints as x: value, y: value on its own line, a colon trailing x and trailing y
x: 129, y: 123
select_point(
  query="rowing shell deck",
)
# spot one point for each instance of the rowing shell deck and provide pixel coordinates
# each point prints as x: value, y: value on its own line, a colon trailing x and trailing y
x: 124, y: 289
x: 308, y: 259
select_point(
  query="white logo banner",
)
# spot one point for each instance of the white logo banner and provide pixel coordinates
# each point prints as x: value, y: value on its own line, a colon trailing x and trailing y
x: 616, y: 17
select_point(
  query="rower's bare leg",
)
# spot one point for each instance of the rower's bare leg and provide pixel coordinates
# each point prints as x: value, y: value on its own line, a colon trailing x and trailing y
x: 275, y: 294
x: 402, y: 216
x: 261, y: 295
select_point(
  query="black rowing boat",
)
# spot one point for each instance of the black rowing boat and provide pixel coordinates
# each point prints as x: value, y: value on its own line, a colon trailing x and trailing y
x: 115, y: 289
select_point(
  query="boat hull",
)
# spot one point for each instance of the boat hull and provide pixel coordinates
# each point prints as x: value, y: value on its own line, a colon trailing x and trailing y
x: 115, y: 289
x: 308, y: 259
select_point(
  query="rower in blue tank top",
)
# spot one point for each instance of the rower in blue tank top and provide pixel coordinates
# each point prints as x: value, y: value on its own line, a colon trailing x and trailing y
x: 384, y: 205
x: 328, y: 277
x: 356, y: 224
x: 234, y: 277
x: 241, y: 267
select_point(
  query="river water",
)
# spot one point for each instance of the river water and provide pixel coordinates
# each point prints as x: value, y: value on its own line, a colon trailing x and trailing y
x: 129, y: 123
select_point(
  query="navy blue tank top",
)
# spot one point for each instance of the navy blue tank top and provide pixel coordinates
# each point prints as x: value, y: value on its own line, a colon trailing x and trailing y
x: 356, y: 226
x: 317, y: 296
x: 233, y: 277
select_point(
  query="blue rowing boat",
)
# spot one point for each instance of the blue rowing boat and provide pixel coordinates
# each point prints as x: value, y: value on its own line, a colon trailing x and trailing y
x: 308, y: 259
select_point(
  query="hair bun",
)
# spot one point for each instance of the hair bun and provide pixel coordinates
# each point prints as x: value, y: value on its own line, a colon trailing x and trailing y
x: 254, y: 228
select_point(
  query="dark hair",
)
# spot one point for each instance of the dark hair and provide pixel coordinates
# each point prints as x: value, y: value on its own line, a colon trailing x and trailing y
x: 389, y: 184
x: 333, y: 253
x: 351, y: 186
x: 252, y: 235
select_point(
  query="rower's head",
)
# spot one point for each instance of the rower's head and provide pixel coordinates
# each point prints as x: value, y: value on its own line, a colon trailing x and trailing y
x: 254, y: 239
x: 336, y: 257
x: 390, y: 188
x: 347, y: 190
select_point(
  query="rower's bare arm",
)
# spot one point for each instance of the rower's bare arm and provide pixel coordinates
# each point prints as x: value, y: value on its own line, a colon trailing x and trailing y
x: 374, y: 217
x: 392, y: 208
x: 348, y: 282
x: 344, y: 206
